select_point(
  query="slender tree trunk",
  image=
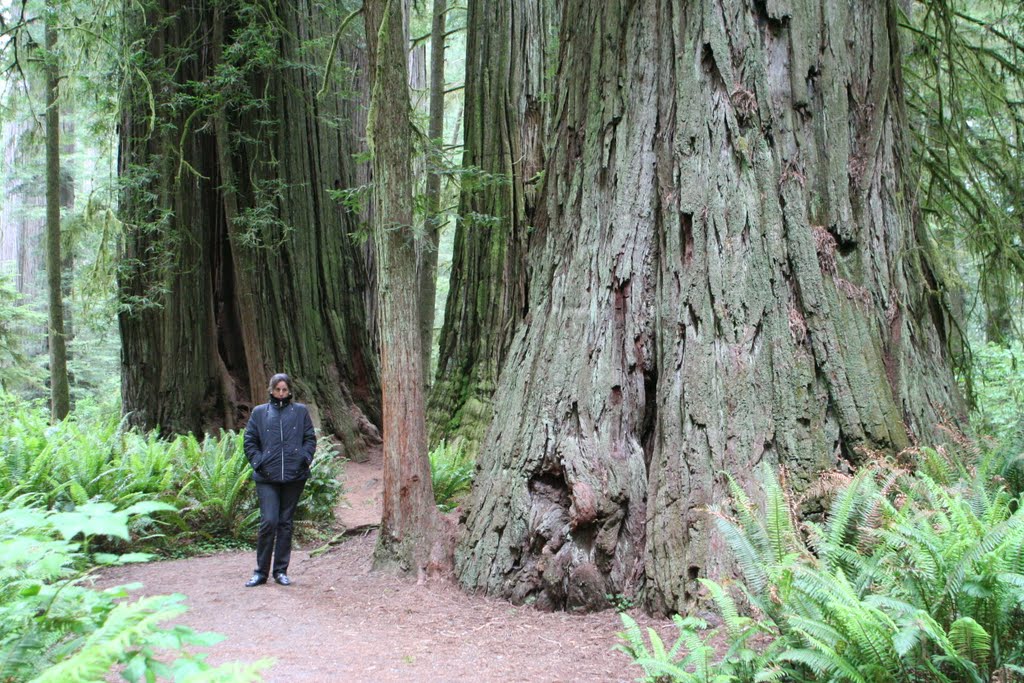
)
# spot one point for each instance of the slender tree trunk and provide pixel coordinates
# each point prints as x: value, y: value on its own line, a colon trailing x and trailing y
x: 730, y: 273
x: 238, y: 262
x: 68, y: 246
x: 427, y: 263
x: 409, y: 519
x: 506, y: 109
x: 59, y: 392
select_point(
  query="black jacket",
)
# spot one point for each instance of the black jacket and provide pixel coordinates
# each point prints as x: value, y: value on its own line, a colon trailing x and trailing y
x: 280, y: 443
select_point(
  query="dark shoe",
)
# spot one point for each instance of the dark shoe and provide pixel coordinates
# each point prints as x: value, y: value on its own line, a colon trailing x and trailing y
x: 282, y: 579
x: 256, y: 580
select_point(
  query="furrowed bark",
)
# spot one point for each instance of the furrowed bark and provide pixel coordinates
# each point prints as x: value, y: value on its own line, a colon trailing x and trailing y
x: 731, y: 273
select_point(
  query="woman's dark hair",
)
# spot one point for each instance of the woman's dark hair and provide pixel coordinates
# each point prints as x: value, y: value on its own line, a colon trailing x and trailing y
x: 280, y: 377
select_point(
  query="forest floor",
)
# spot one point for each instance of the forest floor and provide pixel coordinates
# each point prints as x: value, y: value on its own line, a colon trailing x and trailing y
x: 340, y: 621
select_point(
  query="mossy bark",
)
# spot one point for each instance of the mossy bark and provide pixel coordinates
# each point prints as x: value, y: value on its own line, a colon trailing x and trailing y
x: 509, y: 52
x: 731, y: 272
x: 238, y: 262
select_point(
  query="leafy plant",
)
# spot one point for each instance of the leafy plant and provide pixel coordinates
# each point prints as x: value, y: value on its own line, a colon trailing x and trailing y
x: 913, y: 575
x: 15, y: 319
x: 56, y: 629
x: 324, y: 489
x: 661, y: 664
x: 92, y: 457
x: 218, y: 493
x: 451, y: 471
x: 999, y: 392
x: 620, y: 602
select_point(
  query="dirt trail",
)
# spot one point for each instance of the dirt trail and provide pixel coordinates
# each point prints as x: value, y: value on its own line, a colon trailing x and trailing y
x: 341, y: 622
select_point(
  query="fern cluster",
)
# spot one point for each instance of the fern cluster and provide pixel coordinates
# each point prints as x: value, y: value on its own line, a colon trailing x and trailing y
x: 206, y: 481
x: 53, y: 627
x: 451, y: 471
x: 915, y: 574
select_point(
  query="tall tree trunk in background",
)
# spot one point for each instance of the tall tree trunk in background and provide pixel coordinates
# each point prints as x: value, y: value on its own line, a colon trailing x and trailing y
x: 427, y: 262
x: 238, y: 263
x: 730, y: 273
x: 506, y: 109
x: 59, y: 392
x: 998, y: 298
x: 409, y: 520
x: 23, y: 223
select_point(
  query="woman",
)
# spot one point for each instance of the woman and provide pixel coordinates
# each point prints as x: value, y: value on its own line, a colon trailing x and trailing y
x: 279, y: 443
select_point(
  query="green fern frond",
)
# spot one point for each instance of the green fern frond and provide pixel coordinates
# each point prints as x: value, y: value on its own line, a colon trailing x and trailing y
x: 658, y: 651
x: 821, y: 631
x: 970, y: 640
x: 845, y: 514
x: 735, y: 625
x: 824, y: 662
x: 1015, y: 581
x: 660, y: 663
x: 1010, y: 532
x: 635, y: 646
x: 751, y: 562
x: 657, y: 671
x: 772, y: 674
x: 1011, y: 471
x: 937, y: 466
x: 748, y: 517
x: 778, y: 515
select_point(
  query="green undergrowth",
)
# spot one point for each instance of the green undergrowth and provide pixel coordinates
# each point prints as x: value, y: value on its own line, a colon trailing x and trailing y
x: 451, y: 472
x: 998, y: 391
x: 916, y: 573
x: 55, y: 628
x: 205, y: 482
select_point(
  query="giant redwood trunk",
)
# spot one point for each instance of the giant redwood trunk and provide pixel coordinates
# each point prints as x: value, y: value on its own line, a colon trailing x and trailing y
x: 238, y: 262
x: 508, y: 56
x: 730, y: 273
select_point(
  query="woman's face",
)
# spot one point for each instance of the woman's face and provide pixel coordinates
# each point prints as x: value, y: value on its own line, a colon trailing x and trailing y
x: 280, y: 390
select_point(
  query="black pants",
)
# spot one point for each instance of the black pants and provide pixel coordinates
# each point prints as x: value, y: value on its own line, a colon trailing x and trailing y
x: 277, y: 507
